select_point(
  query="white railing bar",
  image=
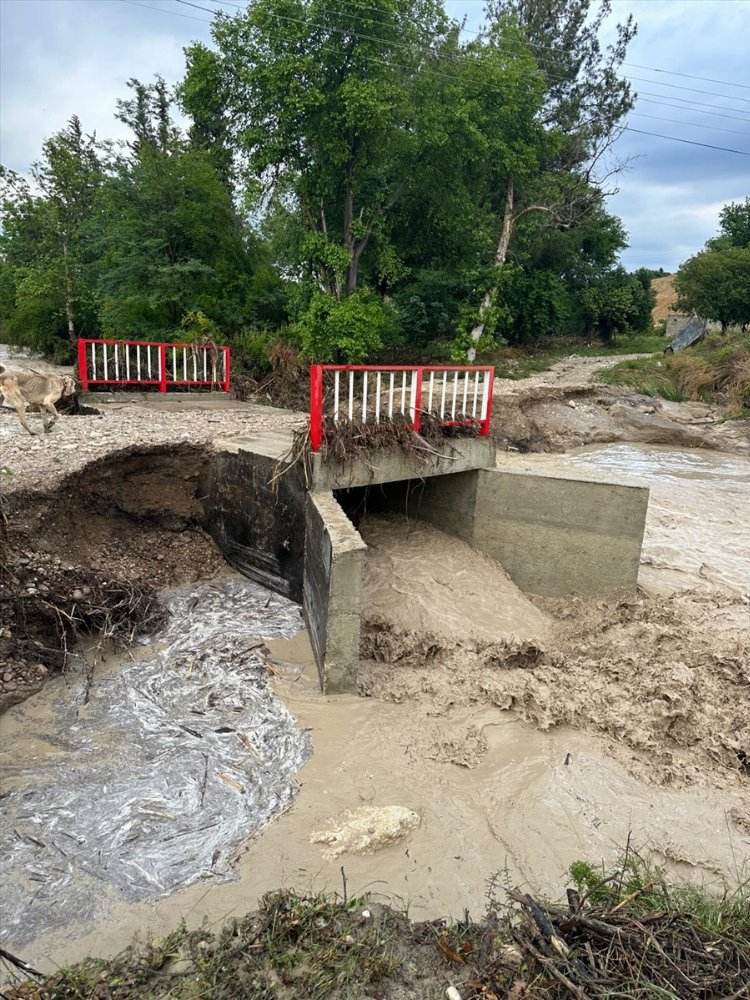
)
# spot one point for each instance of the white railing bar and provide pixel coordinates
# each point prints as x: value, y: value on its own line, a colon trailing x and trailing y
x: 93, y: 361
x: 466, y: 392
x: 476, y: 390
x: 403, y: 395
x: 351, y: 396
x: 442, y: 397
x: 138, y: 361
x: 214, y: 380
x: 364, y: 399
x: 127, y: 362
x: 455, y: 390
x: 195, y: 365
x: 205, y: 364
x: 148, y: 360
x: 174, y: 364
x: 390, y: 399
x: 117, y: 362
x: 184, y: 364
x: 429, y: 394
x: 485, y: 395
x: 413, y: 394
x: 335, y: 397
x: 106, y: 368
x: 377, y: 397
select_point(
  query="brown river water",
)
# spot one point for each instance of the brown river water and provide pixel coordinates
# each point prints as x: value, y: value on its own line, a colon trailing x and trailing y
x: 526, y: 806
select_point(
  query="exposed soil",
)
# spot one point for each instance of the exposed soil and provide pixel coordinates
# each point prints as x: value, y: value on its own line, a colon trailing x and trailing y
x: 564, y: 408
x: 89, y: 555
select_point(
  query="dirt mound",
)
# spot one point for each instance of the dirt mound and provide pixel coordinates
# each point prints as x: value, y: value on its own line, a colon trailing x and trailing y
x: 666, y: 296
x: 88, y: 556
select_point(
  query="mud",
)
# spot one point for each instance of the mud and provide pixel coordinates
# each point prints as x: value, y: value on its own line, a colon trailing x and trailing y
x: 535, y: 803
x: 564, y: 408
x: 151, y: 777
x: 421, y: 580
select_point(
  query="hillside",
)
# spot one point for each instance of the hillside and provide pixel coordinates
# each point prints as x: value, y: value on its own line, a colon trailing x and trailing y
x: 666, y: 296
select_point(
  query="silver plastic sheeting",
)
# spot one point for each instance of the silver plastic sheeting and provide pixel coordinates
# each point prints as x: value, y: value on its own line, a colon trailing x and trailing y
x: 177, y: 759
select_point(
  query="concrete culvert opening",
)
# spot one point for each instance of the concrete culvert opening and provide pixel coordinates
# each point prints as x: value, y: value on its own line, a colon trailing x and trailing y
x: 156, y: 746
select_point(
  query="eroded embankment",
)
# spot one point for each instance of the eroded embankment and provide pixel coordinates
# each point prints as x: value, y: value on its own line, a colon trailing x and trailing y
x: 666, y: 680
x: 89, y: 555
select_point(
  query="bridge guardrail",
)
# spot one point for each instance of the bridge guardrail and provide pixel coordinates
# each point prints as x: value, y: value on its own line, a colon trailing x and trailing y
x: 452, y: 394
x: 152, y: 363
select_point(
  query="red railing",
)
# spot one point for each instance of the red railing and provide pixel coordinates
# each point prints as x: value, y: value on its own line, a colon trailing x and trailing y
x: 452, y: 394
x: 152, y: 363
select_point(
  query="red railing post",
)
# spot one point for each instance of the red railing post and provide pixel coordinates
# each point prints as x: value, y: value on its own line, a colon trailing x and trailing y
x: 488, y: 412
x: 418, y: 401
x: 83, y: 375
x: 226, y: 369
x: 162, y: 367
x: 316, y: 406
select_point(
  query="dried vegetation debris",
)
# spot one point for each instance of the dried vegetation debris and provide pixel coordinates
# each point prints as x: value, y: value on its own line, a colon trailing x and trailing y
x: 626, y: 934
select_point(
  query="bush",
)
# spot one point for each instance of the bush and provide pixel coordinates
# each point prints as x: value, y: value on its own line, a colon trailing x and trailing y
x: 350, y: 329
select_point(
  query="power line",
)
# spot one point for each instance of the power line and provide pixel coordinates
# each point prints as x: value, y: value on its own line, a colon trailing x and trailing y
x: 675, y: 121
x: 552, y: 48
x: 689, y: 142
x: 693, y: 111
x: 406, y: 45
x: 627, y: 128
x: 164, y: 10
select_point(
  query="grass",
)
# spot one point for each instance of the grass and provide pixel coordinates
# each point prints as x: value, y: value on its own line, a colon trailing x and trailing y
x: 626, y: 933
x: 521, y: 362
x: 715, y: 371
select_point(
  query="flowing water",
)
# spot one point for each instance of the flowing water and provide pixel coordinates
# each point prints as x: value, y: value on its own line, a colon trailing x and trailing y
x: 532, y: 803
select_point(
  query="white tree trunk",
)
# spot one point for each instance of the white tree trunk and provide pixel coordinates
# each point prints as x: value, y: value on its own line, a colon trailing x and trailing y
x: 500, y: 255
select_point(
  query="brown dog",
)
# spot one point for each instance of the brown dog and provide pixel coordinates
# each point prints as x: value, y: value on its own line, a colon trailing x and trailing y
x: 21, y: 387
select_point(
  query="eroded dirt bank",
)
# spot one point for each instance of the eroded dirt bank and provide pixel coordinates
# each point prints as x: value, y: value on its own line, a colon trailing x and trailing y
x: 565, y: 408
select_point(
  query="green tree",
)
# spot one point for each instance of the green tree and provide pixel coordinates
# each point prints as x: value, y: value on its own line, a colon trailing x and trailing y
x: 584, y: 102
x: 716, y: 284
x: 319, y: 95
x: 734, y: 227
x: 48, y: 237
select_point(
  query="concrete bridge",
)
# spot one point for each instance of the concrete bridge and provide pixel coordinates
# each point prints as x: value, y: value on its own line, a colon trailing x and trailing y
x: 286, y: 524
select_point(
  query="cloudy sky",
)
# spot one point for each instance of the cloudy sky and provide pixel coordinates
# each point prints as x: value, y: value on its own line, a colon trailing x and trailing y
x: 689, y: 64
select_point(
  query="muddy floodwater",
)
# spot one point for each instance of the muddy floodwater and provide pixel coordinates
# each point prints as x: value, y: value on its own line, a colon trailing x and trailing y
x: 530, y: 804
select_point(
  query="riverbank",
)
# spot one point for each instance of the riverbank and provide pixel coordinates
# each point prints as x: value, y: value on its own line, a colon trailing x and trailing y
x: 627, y: 932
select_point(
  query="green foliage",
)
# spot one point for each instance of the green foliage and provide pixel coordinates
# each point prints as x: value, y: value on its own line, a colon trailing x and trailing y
x: 716, y: 284
x: 350, y: 329
x: 716, y: 370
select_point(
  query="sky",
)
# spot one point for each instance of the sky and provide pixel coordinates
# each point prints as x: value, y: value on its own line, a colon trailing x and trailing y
x: 65, y: 57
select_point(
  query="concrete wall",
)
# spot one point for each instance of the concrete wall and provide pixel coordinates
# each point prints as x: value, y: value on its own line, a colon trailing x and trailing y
x: 561, y: 536
x: 259, y: 525
x: 332, y: 599
x: 456, y: 455
x: 553, y: 536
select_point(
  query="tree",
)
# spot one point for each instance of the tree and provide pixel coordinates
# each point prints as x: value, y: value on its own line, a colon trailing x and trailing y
x: 716, y: 284
x: 173, y: 243
x: 320, y: 99
x: 584, y: 101
x: 734, y: 227
x: 48, y: 238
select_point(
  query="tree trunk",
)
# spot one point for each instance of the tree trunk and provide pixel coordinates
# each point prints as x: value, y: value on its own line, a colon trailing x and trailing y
x: 500, y: 255
x: 69, y: 299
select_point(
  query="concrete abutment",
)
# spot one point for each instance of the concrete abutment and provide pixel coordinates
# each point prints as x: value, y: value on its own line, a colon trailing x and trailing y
x: 296, y: 533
